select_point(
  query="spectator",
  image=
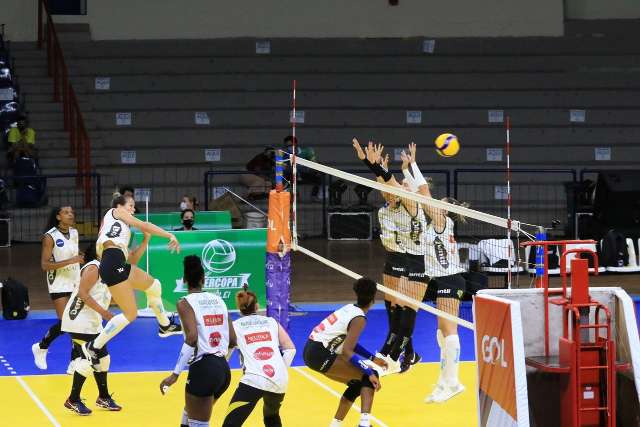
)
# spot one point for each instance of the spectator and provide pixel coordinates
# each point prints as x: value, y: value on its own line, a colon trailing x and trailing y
x: 262, y: 168
x: 22, y: 140
x: 189, y: 202
x: 188, y: 218
x: 305, y: 175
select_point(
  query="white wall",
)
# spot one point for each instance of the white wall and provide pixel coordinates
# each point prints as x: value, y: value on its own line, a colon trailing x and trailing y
x: 20, y: 19
x: 602, y: 9
x: 158, y: 19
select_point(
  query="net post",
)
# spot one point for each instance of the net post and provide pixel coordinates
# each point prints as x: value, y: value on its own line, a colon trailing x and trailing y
x: 508, y: 150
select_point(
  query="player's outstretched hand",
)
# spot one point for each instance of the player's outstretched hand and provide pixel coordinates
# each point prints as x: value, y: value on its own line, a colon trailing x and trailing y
x: 174, y: 245
x: 358, y: 148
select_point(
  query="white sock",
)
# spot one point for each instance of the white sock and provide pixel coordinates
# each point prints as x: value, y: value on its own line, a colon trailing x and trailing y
x: 111, y: 329
x: 440, y: 340
x: 364, y: 420
x: 154, y: 300
x: 451, y: 360
x: 336, y: 423
x: 196, y: 423
x: 185, y: 419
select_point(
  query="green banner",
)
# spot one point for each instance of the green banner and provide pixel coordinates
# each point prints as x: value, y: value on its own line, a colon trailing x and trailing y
x: 230, y: 259
x: 204, y: 220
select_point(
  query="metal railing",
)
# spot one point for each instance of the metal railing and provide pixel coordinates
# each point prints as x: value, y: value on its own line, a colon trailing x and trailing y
x: 27, y: 200
x: 79, y: 142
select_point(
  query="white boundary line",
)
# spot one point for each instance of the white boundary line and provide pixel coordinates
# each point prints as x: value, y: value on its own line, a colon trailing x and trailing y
x: 37, y: 401
x: 334, y: 393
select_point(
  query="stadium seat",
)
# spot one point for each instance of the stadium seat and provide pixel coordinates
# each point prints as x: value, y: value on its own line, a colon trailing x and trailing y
x: 632, y: 267
x: 531, y: 267
x: 494, y: 256
x: 590, y: 246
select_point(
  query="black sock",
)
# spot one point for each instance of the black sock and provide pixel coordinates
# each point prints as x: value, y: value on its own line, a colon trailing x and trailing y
x: 407, y: 325
x: 394, y: 329
x: 101, y: 381
x: 76, y: 388
x: 53, y: 333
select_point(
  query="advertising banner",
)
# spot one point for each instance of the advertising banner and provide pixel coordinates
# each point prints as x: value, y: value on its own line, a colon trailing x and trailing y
x: 502, y: 381
x: 230, y: 259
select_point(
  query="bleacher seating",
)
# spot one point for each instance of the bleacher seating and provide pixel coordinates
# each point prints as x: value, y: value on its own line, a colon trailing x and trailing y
x: 345, y: 87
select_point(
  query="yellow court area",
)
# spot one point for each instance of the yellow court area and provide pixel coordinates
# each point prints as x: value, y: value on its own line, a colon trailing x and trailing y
x: 311, y: 401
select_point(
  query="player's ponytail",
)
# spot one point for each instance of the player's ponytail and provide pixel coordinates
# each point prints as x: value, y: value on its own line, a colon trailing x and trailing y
x: 365, y: 290
x: 193, y: 271
x: 118, y: 200
x: 52, y: 220
x: 246, y: 301
x: 456, y: 217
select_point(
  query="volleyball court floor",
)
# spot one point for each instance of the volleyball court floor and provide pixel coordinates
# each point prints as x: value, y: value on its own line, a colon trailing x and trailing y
x: 140, y: 360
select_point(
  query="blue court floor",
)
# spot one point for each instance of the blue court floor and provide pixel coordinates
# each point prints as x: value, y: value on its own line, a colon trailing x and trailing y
x: 138, y: 348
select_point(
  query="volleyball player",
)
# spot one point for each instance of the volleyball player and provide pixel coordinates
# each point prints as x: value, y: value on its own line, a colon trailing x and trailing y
x: 61, y: 260
x: 121, y: 277
x: 82, y: 319
x: 260, y: 340
x: 333, y: 350
x: 207, y: 335
x: 444, y: 268
x: 409, y: 226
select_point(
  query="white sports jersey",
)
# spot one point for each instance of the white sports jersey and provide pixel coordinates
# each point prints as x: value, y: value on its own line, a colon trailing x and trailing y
x: 79, y: 317
x: 114, y: 230
x: 442, y: 257
x: 411, y: 230
x: 264, y: 367
x: 332, y: 331
x: 389, y: 230
x: 212, y: 323
x: 66, y: 278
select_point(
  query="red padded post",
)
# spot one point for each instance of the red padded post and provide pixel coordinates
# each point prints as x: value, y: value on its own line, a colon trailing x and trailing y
x: 579, y: 281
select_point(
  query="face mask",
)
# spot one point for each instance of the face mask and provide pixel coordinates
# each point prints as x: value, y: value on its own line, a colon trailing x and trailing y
x: 183, y: 206
x: 188, y: 223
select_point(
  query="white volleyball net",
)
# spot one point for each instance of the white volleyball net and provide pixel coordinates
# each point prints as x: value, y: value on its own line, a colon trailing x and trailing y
x: 349, y: 222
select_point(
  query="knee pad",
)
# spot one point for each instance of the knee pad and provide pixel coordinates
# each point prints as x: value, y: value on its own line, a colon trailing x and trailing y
x: 366, y: 382
x: 155, y: 290
x: 104, y: 363
x: 353, y: 390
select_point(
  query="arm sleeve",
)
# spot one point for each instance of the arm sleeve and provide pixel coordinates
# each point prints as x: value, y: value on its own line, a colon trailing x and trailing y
x: 417, y: 175
x: 186, y: 354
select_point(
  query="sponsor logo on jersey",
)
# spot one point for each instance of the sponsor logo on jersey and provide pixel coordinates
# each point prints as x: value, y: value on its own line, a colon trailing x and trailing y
x: 213, y: 319
x: 269, y: 371
x: 76, y: 307
x: 257, y: 337
x: 440, y: 252
x: 336, y: 342
x: 214, y: 339
x: 263, y: 353
x: 59, y: 243
x: 116, y: 229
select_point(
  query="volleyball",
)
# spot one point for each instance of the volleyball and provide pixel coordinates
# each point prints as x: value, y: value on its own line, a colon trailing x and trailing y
x: 447, y: 145
x: 218, y: 256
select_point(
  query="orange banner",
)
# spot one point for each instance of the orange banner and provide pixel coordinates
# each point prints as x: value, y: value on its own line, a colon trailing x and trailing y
x: 494, y: 348
x: 278, y: 231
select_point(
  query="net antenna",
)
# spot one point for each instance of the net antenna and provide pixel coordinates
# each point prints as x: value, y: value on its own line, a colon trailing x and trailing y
x: 294, y: 237
x: 508, y: 150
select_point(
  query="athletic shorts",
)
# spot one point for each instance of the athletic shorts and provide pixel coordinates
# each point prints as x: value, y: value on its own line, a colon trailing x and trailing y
x: 453, y: 286
x: 394, y: 264
x: 317, y: 357
x: 75, y: 337
x: 57, y: 295
x: 415, y: 268
x: 113, y: 267
x: 209, y: 376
